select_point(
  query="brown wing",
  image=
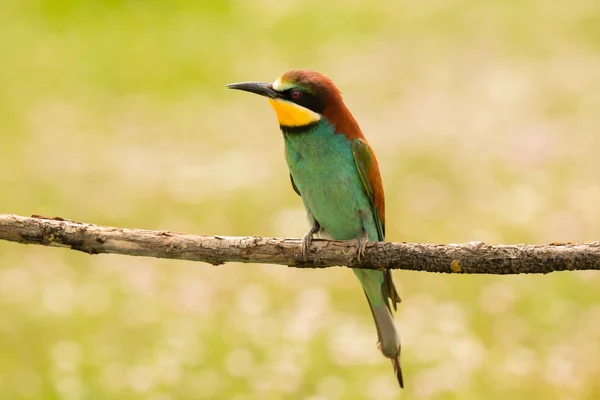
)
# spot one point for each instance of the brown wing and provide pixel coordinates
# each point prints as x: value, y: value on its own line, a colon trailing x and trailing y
x: 368, y: 169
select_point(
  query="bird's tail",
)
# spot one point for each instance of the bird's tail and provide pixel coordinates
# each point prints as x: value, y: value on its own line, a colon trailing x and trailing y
x: 376, y: 287
x: 389, y: 339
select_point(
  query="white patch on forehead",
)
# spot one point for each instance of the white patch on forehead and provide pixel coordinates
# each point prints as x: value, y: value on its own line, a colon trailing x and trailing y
x: 280, y: 86
x: 277, y: 84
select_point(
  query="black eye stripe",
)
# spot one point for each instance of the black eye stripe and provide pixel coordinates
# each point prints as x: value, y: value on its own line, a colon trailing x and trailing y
x: 308, y: 100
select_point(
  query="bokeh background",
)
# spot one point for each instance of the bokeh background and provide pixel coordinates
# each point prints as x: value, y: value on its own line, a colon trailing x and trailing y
x: 486, y: 120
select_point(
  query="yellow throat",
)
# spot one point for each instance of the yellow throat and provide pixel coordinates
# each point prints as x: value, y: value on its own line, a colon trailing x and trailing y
x: 291, y: 114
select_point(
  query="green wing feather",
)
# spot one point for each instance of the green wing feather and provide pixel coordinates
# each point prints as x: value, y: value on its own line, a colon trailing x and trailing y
x: 363, y: 158
x: 294, y: 186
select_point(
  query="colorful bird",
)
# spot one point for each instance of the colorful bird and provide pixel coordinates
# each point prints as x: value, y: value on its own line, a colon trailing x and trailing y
x: 335, y: 172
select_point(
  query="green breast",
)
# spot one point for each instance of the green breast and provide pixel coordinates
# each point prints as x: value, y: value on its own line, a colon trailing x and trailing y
x: 323, y: 168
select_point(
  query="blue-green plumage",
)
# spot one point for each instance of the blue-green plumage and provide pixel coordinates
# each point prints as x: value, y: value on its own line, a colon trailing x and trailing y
x: 336, y: 173
x: 323, y: 168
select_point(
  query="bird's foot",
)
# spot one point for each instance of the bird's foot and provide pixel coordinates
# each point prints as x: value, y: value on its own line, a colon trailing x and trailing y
x: 307, y: 240
x: 362, y: 245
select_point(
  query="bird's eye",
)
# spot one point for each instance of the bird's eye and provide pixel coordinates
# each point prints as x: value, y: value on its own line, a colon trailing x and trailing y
x: 295, y: 94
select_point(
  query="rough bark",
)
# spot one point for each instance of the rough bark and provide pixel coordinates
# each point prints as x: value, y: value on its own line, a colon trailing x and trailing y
x: 468, y: 258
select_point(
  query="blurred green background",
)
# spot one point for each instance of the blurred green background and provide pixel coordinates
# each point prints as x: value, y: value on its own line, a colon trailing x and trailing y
x: 485, y: 117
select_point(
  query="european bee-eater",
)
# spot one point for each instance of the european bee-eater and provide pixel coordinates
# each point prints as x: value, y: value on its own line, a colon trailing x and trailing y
x: 335, y: 172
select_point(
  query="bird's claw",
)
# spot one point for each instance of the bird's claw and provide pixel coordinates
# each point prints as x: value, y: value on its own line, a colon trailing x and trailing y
x: 306, y: 242
x: 307, y: 239
x: 362, y: 245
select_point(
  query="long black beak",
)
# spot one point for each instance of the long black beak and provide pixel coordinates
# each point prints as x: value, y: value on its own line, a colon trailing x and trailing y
x: 261, y: 88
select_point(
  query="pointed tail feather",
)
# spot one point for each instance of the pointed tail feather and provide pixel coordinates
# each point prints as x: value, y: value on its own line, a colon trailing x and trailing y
x: 398, y: 370
x: 389, y: 340
x: 379, y: 289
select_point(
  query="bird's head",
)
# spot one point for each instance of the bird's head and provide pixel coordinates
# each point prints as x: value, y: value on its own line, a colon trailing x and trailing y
x: 301, y: 98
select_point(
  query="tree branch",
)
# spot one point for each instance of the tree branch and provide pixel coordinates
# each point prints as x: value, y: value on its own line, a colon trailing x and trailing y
x: 470, y: 258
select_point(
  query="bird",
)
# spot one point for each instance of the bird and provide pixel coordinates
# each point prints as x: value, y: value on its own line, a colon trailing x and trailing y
x: 335, y: 172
